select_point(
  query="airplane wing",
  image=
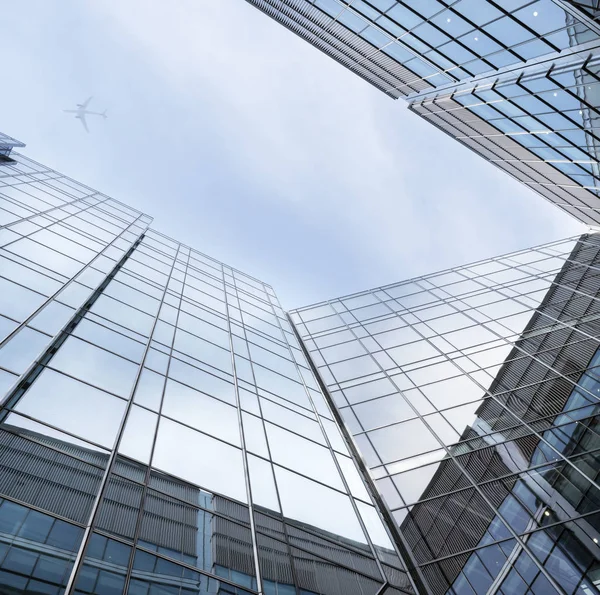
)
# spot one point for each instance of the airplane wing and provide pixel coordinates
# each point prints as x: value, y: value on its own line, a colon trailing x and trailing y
x: 86, y: 102
x: 82, y: 120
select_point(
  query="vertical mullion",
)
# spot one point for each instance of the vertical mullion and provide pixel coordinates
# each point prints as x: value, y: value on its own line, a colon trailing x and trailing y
x: 68, y: 283
x: 257, y: 569
x: 79, y: 559
x: 138, y: 525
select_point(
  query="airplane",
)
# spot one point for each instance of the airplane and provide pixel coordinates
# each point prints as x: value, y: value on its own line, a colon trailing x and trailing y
x: 82, y: 112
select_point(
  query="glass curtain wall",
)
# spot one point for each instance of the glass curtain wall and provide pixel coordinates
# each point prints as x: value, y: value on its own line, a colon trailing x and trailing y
x: 161, y: 431
x: 540, y: 127
x: 410, y: 46
x: 473, y: 396
x: 515, y: 81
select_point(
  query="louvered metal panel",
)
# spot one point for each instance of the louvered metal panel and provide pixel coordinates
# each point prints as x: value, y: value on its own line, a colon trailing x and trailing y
x: 342, y: 44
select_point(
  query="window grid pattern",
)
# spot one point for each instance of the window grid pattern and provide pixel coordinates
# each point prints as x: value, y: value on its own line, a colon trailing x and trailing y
x: 157, y: 403
x: 473, y: 397
x: 342, y: 44
x: 436, y: 43
x: 514, y: 81
x: 540, y: 128
x: 589, y: 7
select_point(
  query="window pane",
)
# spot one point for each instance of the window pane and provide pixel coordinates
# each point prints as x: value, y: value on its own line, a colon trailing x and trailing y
x: 139, y: 434
x: 200, y: 459
x: 202, y: 412
x: 309, y: 502
x: 96, y: 366
x: 74, y: 407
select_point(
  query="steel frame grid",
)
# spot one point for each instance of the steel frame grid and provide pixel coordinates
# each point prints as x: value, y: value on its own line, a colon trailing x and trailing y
x: 81, y: 557
x: 241, y: 285
x: 281, y: 10
x: 570, y: 260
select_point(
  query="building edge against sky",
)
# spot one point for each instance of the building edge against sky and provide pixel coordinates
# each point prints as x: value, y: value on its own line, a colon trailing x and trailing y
x: 473, y: 396
x: 445, y: 424
x: 516, y: 81
x: 161, y: 429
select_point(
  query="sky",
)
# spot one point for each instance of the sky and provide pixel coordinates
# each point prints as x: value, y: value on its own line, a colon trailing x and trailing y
x: 248, y: 144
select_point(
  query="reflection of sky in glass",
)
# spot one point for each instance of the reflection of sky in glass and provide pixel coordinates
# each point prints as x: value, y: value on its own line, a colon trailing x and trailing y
x: 404, y: 47
x: 464, y: 369
x: 539, y: 125
x: 171, y: 359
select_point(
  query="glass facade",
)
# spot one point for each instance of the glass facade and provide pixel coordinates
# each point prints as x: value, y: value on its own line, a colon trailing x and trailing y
x: 473, y: 396
x: 541, y: 127
x: 514, y: 80
x: 161, y: 430
x: 7, y: 144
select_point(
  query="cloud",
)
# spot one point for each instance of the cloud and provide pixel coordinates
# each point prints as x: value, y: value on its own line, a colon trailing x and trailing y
x: 247, y: 143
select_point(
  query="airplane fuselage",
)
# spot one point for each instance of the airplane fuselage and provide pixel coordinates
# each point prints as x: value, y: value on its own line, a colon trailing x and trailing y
x: 81, y: 113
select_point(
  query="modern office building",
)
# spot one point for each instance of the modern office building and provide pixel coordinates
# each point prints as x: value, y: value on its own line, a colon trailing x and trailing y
x: 161, y: 430
x: 514, y: 80
x: 473, y: 395
x: 166, y: 428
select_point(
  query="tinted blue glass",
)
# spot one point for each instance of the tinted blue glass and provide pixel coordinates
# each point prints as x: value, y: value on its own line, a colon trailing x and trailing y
x: 117, y: 553
x: 457, y: 53
x: 40, y: 588
x: 109, y: 584
x: 461, y: 586
x: 242, y: 579
x: 478, y: 11
x: 104, y: 569
x: 493, y: 558
x: 352, y: 21
x: 65, y: 536
x: 52, y: 570
x: 398, y: 52
x: 517, y: 517
x: 540, y: 545
x: 513, y: 584
x: 542, y: 586
x: 391, y: 27
x: 526, y: 496
x: 144, y: 561
x: 18, y: 560
x: 383, y: 5
x: 166, y: 567
x: 10, y: 581
x: 405, y: 17
x: 562, y: 569
x: 87, y: 579
x: 36, y: 526
x: 376, y: 37
x: 138, y: 587
x: 96, y: 546
x: 477, y: 575
x: 11, y: 517
x: 365, y: 9
x: 165, y: 576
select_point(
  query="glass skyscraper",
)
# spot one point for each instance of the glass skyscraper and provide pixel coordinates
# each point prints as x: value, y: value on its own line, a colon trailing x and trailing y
x: 514, y: 80
x: 166, y: 428
x: 161, y: 430
x: 473, y: 396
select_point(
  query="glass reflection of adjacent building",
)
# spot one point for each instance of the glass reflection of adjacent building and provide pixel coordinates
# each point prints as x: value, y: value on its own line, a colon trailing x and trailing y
x: 515, y: 81
x: 180, y: 524
x: 161, y: 431
x: 165, y: 428
x: 473, y: 396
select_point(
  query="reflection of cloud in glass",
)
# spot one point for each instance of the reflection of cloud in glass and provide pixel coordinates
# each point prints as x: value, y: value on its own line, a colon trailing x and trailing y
x: 481, y: 392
